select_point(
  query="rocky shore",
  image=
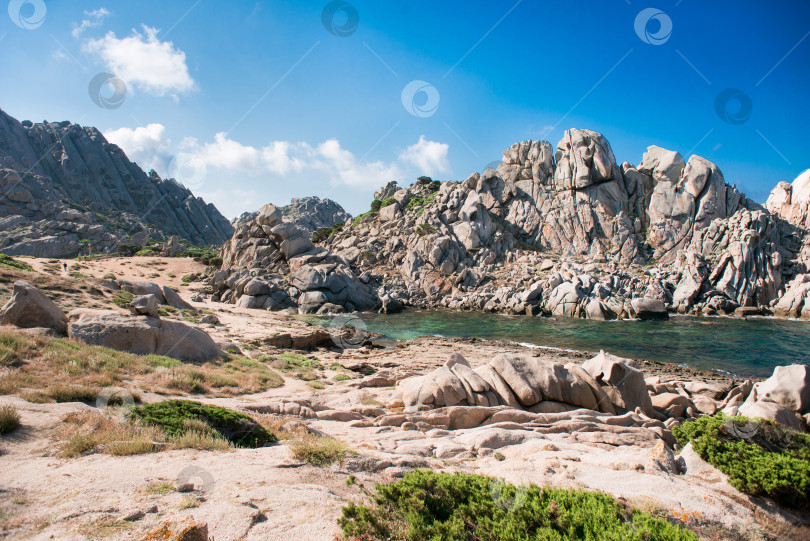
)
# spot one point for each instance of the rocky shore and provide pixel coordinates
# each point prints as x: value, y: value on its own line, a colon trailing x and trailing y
x: 568, y: 233
x: 555, y: 418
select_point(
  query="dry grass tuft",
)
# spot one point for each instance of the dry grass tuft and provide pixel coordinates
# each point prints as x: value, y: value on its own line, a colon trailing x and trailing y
x: 319, y: 450
x: 44, y: 369
x: 9, y: 419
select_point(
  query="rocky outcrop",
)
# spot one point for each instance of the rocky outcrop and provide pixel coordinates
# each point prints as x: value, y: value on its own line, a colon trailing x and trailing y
x: 563, y: 231
x: 306, y: 213
x: 792, y: 201
x: 517, y: 388
x: 273, y: 265
x: 311, y: 213
x: 142, y: 335
x: 64, y: 190
x: 30, y: 308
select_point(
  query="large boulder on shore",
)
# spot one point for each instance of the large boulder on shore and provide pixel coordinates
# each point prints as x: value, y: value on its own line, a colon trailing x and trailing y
x: 518, y: 381
x: 29, y: 307
x: 788, y: 386
x: 141, y: 335
x: 623, y: 382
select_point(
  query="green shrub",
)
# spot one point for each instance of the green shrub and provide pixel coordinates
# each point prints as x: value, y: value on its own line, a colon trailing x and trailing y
x: 122, y: 298
x: 128, y: 250
x: 321, y: 234
x: 173, y: 416
x: 389, y: 201
x: 204, y: 255
x: 429, y: 505
x: 9, y: 419
x: 425, y: 229
x: 360, y: 218
x: 6, y: 261
x: 375, y: 206
x: 759, y: 456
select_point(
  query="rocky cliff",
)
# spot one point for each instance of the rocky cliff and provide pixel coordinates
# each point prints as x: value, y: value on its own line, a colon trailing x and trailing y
x: 64, y: 189
x: 307, y: 213
x: 563, y: 231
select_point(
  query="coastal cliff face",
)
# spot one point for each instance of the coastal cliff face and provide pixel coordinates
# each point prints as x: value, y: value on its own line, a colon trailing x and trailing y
x: 63, y: 186
x: 566, y: 232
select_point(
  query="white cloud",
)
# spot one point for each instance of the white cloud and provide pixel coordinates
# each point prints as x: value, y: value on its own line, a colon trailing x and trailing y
x: 144, y: 145
x: 278, y: 160
x: 345, y: 169
x: 94, y: 18
x: 430, y: 157
x: 145, y: 62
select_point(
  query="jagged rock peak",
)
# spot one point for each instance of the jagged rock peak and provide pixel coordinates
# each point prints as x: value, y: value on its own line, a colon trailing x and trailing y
x: 791, y: 201
x: 64, y: 183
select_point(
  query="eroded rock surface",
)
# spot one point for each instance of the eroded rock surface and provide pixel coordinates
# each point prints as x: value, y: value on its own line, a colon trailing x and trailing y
x: 563, y: 231
x: 64, y: 188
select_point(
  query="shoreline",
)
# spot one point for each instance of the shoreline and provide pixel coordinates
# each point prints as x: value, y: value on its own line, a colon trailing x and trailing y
x: 403, y: 332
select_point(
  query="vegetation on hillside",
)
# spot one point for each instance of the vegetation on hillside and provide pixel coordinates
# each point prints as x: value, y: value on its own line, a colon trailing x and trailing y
x: 429, y: 505
x: 759, y: 456
x: 46, y: 369
x: 323, y: 233
x: 6, y: 261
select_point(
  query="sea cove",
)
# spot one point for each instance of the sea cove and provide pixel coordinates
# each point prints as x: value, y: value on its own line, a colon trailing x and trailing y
x: 744, y: 347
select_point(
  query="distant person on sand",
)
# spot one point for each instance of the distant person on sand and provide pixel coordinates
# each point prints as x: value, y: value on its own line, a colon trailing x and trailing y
x: 64, y: 266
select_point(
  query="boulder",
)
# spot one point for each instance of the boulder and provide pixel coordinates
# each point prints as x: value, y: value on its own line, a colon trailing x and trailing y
x: 29, y: 307
x: 146, y: 305
x: 671, y: 404
x: 269, y: 215
x: 143, y: 288
x: 390, y: 305
x: 296, y: 245
x: 174, y: 300
x: 788, y: 386
x: 533, y: 380
x: 141, y: 335
x: 647, y: 308
x: 622, y: 381
x: 768, y: 409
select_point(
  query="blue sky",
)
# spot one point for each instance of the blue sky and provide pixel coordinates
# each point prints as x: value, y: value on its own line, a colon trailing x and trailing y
x: 254, y: 102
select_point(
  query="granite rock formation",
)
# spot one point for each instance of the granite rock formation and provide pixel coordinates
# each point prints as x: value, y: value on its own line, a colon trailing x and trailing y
x: 567, y: 232
x: 65, y: 190
x: 306, y: 213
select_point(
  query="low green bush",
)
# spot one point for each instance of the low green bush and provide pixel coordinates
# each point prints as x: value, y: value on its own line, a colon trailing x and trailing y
x: 429, y: 505
x: 6, y: 261
x: 759, y: 456
x: 173, y: 417
x: 389, y: 201
x: 122, y: 298
x: 321, y: 234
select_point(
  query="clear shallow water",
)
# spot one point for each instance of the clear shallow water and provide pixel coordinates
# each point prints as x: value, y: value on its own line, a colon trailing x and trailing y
x: 743, y: 347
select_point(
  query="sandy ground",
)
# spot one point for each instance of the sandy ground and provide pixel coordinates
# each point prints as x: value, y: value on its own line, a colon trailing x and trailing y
x: 267, y: 494
x: 163, y: 270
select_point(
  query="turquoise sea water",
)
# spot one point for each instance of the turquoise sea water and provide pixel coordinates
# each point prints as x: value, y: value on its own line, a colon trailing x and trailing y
x: 750, y: 347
